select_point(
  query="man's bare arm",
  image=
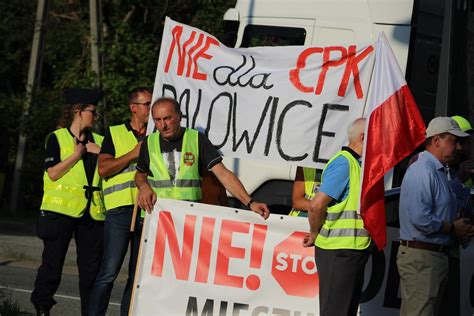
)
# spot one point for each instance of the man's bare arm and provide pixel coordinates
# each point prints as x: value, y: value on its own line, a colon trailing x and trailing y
x: 316, y: 216
x: 235, y: 187
x: 108, y: 165
x: 299, y: 201
x: 146, y: 195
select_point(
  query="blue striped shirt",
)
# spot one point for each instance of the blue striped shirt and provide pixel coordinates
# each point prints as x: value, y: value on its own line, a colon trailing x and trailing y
x: 426, y: 200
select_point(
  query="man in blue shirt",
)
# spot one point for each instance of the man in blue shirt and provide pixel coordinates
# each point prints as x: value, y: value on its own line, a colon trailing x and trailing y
x: 428, y: 224
x: 337, y: 230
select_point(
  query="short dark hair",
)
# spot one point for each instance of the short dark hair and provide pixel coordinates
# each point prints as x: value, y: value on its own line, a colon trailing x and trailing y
x: 134, y: 93
x: 175, y: 103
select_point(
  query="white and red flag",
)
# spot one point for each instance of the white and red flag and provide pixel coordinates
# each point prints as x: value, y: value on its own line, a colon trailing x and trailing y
x: 394, y: 129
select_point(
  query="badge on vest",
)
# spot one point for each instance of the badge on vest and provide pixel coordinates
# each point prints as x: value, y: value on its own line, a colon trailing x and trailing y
x: 189, y: 159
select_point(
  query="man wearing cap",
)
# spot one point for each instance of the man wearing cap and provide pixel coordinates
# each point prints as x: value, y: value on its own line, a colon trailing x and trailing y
x: 72, y: 200
x: 428, y: 221
x: 117, y: 165
x: 459, y: 171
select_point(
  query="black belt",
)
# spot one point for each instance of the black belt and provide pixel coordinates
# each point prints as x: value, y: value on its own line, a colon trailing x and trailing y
x: 89, y: 190
x: 424, y: 246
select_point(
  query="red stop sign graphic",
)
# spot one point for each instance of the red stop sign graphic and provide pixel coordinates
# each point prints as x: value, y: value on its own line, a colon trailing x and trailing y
x: 293, y: 267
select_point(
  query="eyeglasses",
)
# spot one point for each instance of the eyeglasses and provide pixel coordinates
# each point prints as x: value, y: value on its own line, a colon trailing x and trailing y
x: 94, y: 112
x: 147, y: 104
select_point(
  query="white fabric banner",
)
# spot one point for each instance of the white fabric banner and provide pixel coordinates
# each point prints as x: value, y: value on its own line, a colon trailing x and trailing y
x: 286, y: 104
x: 199, y: 259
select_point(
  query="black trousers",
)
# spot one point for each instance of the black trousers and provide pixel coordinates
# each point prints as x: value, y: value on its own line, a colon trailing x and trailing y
x: 56, y: 231
x: 341, y: 278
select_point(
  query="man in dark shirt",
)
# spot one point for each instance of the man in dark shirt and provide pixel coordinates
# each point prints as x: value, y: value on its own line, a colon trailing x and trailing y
x: 117, y: 161
x: 167, y: 117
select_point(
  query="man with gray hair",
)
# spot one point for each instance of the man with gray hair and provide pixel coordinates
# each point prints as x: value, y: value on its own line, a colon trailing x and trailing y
x: 428, y: 221
x: 337, y: 229
x: 172, y: 160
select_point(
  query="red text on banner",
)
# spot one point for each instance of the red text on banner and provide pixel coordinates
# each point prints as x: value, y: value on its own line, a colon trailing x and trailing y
x: 189, y: 51
x: 346, y: 57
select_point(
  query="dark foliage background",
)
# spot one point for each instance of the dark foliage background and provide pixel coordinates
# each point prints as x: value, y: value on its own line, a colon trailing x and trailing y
x: 131, y: 33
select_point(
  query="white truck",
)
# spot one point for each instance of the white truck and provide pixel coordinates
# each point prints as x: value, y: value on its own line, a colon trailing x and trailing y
x: 422, y: 34
x: 428, y: 48
x: 305, y: 22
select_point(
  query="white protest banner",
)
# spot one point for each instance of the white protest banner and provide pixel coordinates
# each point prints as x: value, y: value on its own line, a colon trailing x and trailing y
x: 199, y: 259
x: 284, y: 104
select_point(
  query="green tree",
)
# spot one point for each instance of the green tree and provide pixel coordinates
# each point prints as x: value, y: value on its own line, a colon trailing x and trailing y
x: 132, y: 32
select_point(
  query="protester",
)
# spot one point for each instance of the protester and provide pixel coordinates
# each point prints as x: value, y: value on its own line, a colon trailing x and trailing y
x: 428, y: 211
x: 459, y: 175
x: 117, y: 165
x: 337, y: 230
x: 305, y: 186
x: 72, y: 201
x: 171, y: 161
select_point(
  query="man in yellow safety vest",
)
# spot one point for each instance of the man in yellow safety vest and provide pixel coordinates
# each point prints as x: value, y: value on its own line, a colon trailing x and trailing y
x: 171, y: 162
x: 117, y: 164
x: 337, y: 229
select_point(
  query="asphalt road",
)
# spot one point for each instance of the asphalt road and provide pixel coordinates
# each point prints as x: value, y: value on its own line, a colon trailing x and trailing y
x: 19, y: 260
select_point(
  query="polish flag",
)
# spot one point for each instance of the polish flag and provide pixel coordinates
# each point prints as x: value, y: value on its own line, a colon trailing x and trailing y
x: 394, y: 129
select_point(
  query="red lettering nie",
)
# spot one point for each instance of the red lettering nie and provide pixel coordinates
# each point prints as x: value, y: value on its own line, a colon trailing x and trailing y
x: 187, y: 51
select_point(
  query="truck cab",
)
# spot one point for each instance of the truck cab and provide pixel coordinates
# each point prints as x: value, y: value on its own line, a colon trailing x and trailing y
x: 415, y: 30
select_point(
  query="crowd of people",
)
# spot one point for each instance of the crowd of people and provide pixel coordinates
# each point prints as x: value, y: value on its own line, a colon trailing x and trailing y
x: 93, y: 186
x: 92, y: 183
x: 434, y: 215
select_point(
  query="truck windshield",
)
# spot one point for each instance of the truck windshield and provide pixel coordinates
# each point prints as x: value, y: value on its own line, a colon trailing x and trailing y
x: 264, y: 35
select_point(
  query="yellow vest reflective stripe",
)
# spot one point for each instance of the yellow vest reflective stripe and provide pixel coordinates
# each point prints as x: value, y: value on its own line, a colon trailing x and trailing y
x: 67, y: 194
x: 187, y: 185
x: 343, y: 227
x: 119, y: 189
x: 309, y: 175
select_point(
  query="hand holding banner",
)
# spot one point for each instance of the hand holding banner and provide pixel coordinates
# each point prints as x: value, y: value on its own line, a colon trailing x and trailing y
x: 199, y: 258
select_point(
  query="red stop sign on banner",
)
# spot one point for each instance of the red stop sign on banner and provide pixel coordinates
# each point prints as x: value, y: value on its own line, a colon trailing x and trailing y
x: 294, y: 268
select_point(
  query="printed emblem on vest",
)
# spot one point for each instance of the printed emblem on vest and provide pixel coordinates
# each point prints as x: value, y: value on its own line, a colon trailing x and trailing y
x: 189, y: 159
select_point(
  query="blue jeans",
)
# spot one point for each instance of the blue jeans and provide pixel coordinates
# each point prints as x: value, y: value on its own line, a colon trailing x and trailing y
x: 117, y: 236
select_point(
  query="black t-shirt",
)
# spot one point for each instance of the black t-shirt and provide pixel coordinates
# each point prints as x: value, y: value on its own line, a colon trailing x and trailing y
x: 171, y: 151
x: 108, y: 144
x: 52, y: 154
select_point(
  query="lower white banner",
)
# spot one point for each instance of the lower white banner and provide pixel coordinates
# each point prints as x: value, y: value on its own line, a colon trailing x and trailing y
x: 204, y: 260
x: 199, y: 259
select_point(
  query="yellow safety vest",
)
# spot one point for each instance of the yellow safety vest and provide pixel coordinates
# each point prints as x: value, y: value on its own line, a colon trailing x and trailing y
x: 120, y: 189
x: 309, y: 175
x: 187, y: 185
x: 344, y: 227
x: 67, y: 195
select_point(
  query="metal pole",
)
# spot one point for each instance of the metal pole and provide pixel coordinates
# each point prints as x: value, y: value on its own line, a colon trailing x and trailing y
x: 33, y: 75
x: 95, y: 16
x: 95, y: 37
x: 444, y: 81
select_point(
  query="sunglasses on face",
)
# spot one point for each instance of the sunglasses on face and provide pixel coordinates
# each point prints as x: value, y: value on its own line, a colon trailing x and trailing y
x: 147, y: 104
x: 94, y: 112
